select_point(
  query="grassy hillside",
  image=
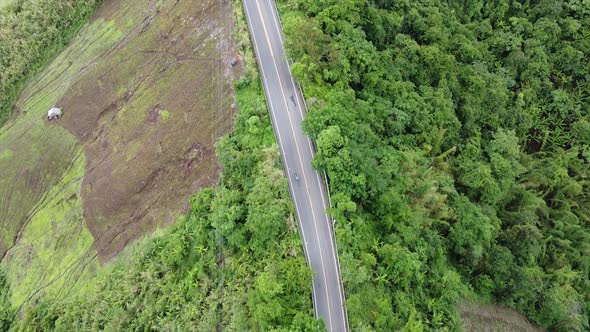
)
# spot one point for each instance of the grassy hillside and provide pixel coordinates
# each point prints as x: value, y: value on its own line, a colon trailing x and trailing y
x: 455, y: 137
x: 55, y: 249
x: 145, y: 93
x: 24, y: 45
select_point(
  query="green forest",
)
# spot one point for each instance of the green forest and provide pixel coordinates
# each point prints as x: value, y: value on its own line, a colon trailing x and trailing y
x: 456, y: 138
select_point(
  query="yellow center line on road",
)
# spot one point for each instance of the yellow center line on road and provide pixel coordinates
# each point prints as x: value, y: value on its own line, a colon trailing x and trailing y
x: 299, y: 156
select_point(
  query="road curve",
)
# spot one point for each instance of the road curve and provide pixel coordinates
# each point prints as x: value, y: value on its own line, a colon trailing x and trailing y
x: 307, y: 189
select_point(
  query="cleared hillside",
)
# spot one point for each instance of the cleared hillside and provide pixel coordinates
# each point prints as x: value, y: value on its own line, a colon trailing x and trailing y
x: 145, y: 92
x: 493, y: 318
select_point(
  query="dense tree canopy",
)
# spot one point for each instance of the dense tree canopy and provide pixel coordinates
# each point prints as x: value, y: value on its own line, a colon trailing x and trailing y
x: 456, y: 138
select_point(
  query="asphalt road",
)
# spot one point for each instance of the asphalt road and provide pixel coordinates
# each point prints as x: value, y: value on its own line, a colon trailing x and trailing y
x: 287, y: 110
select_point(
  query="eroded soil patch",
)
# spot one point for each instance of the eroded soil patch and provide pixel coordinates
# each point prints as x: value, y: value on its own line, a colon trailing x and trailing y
x: 494, y: 318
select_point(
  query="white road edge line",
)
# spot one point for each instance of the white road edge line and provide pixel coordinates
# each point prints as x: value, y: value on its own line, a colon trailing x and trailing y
x: 328, y: 220
x: 278, y: 22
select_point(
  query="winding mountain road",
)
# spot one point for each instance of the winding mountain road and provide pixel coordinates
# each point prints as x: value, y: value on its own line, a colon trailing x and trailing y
x: 287, y: 110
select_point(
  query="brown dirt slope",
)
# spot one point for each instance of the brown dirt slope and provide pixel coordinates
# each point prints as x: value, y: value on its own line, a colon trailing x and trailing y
x: 148, y: 120
x: 494, y: 318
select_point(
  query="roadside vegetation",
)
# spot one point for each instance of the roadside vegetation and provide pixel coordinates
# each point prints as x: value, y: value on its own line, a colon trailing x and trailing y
x: 31, y: 33
x: 455, y: 135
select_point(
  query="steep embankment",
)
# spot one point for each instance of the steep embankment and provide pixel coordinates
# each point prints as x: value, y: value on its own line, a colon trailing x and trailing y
x: 145, y: 93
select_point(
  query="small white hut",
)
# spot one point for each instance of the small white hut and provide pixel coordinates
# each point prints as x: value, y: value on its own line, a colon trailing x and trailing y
x: 54, y: 113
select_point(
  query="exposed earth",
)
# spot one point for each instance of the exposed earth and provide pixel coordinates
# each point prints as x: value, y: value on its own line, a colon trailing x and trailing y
x: 493, y: 318
x: 146, y: 91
